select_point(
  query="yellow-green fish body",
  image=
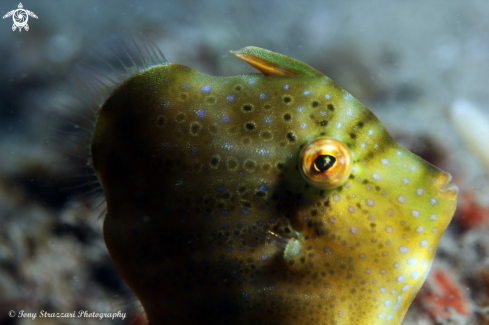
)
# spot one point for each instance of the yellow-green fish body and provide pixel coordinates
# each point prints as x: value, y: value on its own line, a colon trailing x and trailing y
x: 213, y: 218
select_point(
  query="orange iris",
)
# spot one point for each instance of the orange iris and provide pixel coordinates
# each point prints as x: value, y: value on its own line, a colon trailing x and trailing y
x: 326, y: 162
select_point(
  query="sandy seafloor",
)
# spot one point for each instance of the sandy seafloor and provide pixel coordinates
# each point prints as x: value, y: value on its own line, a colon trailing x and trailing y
x: 408, y: 61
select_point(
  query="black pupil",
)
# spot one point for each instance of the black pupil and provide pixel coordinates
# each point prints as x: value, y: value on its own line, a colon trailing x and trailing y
x: 324, y: 162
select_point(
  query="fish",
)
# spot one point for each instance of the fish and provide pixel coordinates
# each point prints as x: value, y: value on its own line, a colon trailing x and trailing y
x: 264, y: 198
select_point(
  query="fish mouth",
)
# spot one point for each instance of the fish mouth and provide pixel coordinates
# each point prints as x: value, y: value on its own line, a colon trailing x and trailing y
x: 444, y: 186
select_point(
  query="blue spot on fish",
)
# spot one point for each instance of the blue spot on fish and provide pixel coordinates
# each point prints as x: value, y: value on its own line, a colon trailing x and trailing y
x: 200, y: 113
x: 225, y: 118
x: 206, y: 89
x: 230, y: 98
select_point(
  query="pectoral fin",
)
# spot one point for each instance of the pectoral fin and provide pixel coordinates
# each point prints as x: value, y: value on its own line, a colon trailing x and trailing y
x: 273, y: 64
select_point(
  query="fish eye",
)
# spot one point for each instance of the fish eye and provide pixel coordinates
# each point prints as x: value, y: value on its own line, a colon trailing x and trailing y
x: 325, y: 163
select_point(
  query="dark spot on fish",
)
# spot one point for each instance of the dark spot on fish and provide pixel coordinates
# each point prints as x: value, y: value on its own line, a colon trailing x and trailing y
x: 322, y: 133
x: 331, y: 107
x: 197, y: 167
x: 315, y: 104
x: 210, y: 100
x: 232, y: 163
x: 160, y: 121
x: 247, y: 108
x: 195, y: 128
x: 245, y: 141
x: 323, y: 123
x: 213, y: 129
x: 180, y: 117
x: 215, y: 160
x: 287, y: 117
x: 291, y: 136
x: 287, y: 99
x: 238, y: 87
x: 353, y: 135
x: 267, y: 106
x: 250, y: 126
x: 246, y: 203
x: 280, y: 165
x: 266, y: 168
x: 183, y: 97
x: 266, y: 135
x: 249, y: 165
x: 360, y: 124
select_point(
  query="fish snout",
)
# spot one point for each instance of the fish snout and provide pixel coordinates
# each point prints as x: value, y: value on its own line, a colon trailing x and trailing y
x: 446, y: 189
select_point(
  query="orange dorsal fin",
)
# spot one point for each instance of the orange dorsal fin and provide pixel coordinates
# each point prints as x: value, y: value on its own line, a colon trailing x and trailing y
x: 273, y: 64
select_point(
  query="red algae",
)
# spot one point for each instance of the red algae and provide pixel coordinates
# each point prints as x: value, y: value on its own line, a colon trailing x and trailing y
x: 442, y: 292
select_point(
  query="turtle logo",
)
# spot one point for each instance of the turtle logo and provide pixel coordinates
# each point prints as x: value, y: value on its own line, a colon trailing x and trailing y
x: 20, y: 17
